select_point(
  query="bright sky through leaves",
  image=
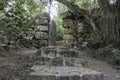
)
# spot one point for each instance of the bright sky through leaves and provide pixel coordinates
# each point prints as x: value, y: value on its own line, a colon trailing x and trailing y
x: 53, y: 9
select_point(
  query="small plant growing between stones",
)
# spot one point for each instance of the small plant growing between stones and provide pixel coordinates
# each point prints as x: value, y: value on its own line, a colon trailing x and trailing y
x: 116, y: 56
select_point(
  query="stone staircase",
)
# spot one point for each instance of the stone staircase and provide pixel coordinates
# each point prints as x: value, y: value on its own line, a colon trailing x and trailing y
x: 60, y: 63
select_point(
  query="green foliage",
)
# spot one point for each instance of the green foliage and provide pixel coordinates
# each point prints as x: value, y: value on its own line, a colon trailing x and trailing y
x: 3, y: 4
x: 59, y: 28
x: 16, y: 21
x: 110, y: 54
x: 85, y: 4
x: 116, y: 56
x: 61, y: 9
x: 32, y: 6
x: 105, y: 52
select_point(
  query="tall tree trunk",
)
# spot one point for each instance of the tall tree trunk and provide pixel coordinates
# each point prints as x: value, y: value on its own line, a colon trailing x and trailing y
x: 52, y: 33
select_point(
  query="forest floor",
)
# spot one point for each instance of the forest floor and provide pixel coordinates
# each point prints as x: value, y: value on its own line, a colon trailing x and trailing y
x: 16, y: 65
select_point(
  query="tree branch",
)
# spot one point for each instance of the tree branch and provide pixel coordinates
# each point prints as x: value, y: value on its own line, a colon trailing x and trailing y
x: 74, y: 8
x: 78, y: 11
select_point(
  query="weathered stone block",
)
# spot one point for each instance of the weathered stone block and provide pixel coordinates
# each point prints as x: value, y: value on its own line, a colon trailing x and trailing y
x: 41, y: 35
x: 80, y: 62
x: 68, y: 53
x: 69, y: 61
x: 67, y: 23
x: 43, y: 28
x: 68, y: 31
x: 48, y: 52
x: 92, y: 75
x: 80, y: 27
x: 57, y: 52
x: 80, y: 39
x: 42, y: 21
x: 44, y: 76
x: 57, y: 61
x: 77, y: 77
x: 68, y: 38
x: 43, y: 42
x: 65, y: 73
x: 43, y: 61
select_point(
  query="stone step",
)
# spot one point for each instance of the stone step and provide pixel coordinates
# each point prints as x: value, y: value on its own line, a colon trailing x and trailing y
x: 56, y: 52
x: 56, y: 63
x: 60, y: 61
x: 64, y: 73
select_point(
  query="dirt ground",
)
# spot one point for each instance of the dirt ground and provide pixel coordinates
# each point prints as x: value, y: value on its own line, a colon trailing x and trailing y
x: 16, y: 65
x: 109, y: 70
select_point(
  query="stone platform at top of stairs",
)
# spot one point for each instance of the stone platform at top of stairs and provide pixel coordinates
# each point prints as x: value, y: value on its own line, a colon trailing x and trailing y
x: 64, y: 73
x: 53, y: 51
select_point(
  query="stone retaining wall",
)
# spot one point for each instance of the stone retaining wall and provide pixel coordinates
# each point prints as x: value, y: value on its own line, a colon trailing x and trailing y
x: 74, y: 32
x: 41, y: 33
x: 68, y: 31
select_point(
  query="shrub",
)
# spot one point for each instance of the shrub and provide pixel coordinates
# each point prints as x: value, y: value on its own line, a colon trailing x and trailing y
x: 96, y: 44
x: 59, y: 28
x: 116, y: 56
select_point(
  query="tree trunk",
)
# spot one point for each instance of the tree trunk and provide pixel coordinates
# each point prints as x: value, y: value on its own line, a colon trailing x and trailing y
x: 52, y: 33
